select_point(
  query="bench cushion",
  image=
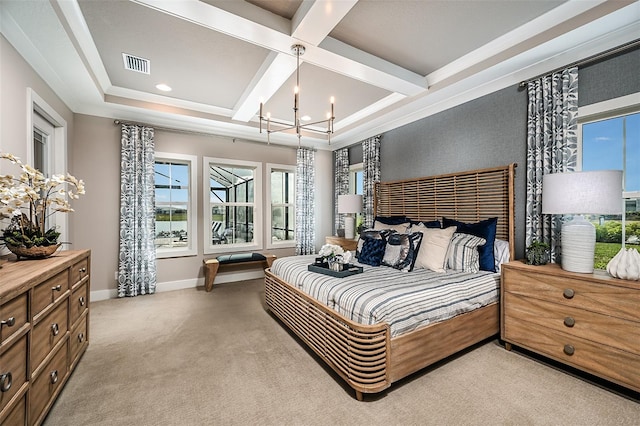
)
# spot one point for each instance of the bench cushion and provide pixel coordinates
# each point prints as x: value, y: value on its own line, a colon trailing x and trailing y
x: 240, y: 257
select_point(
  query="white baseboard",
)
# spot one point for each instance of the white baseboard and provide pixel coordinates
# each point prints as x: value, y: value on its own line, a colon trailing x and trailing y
x: 221, y: 278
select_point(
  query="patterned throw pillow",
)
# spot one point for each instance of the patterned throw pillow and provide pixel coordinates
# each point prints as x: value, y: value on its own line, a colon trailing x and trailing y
x: 463, y: 252
x: 371, y: 233
x: 401, y: 251
x: 372, y: 251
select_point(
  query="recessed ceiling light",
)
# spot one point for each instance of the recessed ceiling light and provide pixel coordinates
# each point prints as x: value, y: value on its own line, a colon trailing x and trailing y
x: 163, y: 87
x: 305, y: 118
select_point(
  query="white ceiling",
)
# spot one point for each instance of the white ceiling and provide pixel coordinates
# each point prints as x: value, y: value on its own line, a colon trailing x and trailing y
x: 386, y: 62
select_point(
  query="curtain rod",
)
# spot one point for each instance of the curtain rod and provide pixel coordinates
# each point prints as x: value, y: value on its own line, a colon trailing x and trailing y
x: 602, y: 55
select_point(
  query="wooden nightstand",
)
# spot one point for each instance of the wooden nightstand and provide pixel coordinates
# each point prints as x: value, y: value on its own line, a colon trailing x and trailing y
x: 345, y: 243
x: 588, y: 321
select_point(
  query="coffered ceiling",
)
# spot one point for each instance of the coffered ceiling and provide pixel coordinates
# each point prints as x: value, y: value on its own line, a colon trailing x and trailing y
x: 386, y: 62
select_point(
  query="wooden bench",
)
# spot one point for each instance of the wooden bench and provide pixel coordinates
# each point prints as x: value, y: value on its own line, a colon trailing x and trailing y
x: 211, y: 266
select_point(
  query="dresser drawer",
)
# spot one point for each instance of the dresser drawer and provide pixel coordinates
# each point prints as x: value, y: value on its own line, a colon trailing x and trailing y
x: 79, y: 270
x: 608, y: 330
x: 78, y: 339
x: 607, y: 299
x: 610, y: 363
x: 78, y: 303
x: 13, y: 370
x: 47, y: 333
x: 16, y: 416
x: 13, y: 315
x: 51, y: 290
x: 47, y: 383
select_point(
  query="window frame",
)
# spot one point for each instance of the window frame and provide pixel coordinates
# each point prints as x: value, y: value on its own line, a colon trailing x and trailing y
x: 270, y: 167
x: 209, y: 247
x: 192, y: 208
x: 605, y: 110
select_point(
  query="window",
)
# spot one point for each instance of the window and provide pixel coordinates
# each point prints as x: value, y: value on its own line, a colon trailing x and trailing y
x: 175, y: 181
x: 610, y: 136
x: 282, y: 198
x: 43, y: 139
x: 231, y: 207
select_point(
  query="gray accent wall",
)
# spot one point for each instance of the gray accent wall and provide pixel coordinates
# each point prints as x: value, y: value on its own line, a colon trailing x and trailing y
x: 491, y: 131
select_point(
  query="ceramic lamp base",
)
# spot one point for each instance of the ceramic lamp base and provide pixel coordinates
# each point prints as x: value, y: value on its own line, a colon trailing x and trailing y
x: 578, y: 245
x: 349, y: 227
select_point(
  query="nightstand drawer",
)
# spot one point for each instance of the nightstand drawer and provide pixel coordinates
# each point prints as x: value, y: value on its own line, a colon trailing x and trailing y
x: 564, y: 289
x: 575, y: 322
x: 613, y: 364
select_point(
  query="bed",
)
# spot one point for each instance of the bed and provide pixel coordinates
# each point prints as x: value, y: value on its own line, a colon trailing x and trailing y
x: 370, y: 357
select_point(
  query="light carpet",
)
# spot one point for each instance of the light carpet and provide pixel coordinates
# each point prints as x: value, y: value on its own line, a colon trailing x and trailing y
x: 189, y: 357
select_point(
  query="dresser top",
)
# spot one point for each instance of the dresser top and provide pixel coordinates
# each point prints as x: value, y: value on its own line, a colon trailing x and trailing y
x: 17, y: 276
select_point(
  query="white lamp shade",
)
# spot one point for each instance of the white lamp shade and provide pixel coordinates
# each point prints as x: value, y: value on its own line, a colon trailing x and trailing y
x: 596, y: 192
x: 351, y: 203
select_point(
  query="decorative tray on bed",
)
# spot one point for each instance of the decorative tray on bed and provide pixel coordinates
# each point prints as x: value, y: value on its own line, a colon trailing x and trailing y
x: 323, y: 268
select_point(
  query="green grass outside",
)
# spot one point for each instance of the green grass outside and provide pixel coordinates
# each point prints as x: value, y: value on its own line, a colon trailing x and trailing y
x: 604, y: 253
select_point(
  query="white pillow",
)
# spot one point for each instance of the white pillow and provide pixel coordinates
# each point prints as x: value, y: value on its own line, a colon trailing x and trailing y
x: 400, y: 228
x: 433, y: 250
x: 501, y: 252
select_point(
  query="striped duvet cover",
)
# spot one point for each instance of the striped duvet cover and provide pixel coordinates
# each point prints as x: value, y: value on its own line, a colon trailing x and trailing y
x: 404, y: 300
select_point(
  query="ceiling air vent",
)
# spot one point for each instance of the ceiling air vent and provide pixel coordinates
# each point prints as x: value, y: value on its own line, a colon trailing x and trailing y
x: 135, y: 63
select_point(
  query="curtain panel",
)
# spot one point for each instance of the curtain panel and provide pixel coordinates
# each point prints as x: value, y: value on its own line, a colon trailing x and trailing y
x: 552, y: 147
x: 341, y: 184
x: 370, y: 175
x: 137, y: 254
x: 305, y: 188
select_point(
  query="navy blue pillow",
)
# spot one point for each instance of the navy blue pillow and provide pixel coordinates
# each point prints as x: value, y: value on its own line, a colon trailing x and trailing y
x: 391, y: 220
x: 484, y: 229
x: 372, y: 251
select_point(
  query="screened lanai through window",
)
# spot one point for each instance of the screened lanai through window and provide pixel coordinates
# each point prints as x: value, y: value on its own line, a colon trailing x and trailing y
x: 232, y: 199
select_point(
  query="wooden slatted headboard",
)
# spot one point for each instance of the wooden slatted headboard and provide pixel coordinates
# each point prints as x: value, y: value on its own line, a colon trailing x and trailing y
x: 465, y: 196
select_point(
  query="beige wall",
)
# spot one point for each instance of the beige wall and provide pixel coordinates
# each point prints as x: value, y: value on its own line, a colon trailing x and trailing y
x: 96, y: 156
x: 93, y: 152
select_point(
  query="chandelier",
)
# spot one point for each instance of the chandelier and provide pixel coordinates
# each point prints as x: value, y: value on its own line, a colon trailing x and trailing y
x: 298, y: 50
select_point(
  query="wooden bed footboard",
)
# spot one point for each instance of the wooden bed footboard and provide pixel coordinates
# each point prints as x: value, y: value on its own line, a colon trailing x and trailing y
x: 366, y: 356
x: 358, y: 353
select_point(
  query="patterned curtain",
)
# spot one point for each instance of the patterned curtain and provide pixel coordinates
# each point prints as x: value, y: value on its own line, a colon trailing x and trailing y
x: 370, y: 175
x: 341, y: 184
x: 552, y: 145
x: 137, y: 257
x: 305, y: 216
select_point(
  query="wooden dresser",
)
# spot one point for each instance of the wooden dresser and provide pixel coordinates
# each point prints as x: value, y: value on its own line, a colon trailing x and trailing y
x: 44, y: 330
x: 588, y: 321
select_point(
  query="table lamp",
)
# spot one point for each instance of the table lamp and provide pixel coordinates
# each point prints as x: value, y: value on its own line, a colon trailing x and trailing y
x: 578, y: 193
x: 349, y: 204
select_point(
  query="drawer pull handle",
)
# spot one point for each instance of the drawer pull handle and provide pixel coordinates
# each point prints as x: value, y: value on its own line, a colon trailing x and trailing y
x: 81, y: 300
x: 81, y: 337
x: 569, y: 350
x: 568, y: 293
x: 569, y: 322
x: 55, y: 328
x: 54, y: 377
x: 57, y: 288
x: 83, y: 270
x: 6, y: 380
x: 8, y: 322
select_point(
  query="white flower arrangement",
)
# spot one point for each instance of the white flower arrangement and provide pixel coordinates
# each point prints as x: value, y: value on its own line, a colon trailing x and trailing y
x: 330, y: 251
x: 30, y: 199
